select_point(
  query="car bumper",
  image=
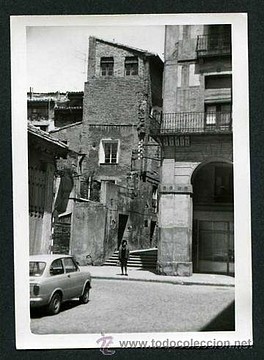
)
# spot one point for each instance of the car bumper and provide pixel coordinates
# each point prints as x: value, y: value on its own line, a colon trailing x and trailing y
x: 37, y: 302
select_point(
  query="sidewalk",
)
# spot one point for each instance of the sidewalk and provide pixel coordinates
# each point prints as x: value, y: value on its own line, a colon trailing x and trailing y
x: 138, y: 274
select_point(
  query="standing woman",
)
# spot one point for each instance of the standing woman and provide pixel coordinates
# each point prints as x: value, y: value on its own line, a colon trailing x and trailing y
x: 123, y: 256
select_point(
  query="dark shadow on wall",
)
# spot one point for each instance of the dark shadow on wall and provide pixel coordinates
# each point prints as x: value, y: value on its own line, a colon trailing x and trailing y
x: 225, y: 321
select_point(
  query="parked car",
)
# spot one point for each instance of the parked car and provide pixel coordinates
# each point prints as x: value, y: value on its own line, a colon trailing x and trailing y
x: 55, y: 279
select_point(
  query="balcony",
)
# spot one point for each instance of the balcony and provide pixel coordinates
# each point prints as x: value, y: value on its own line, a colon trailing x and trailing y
x: 213, y: 45
x: 192, y: 123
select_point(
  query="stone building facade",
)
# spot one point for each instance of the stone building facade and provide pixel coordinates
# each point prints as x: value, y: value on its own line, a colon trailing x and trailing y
x: 195, y: 133
x: 117, y: 166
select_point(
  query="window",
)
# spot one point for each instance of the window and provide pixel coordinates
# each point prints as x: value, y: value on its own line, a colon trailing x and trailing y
x: 56, y: 267
x: 218, y: 114
x: 69, y: 265
x: 107, y: 66
x: 131, y: 65
x: 219, y: 36
x: 218, y: 82
x: 210, y: 115
x: 36, y: 268
x: 110, y: 149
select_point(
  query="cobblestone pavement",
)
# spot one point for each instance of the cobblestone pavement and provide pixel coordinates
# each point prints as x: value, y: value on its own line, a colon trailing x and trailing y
x: 123, y: 306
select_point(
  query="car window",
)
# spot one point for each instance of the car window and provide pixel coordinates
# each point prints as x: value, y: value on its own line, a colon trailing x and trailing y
x: 69, y: 265
x: 36, y: 268
x: 56, y: 267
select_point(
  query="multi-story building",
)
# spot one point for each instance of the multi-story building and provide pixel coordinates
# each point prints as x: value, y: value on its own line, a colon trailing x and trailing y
x: 54, y: 110
x: 195, y: 133
x: 118, y: 162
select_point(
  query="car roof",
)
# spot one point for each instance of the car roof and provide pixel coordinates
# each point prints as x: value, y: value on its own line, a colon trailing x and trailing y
x: 47, y: 257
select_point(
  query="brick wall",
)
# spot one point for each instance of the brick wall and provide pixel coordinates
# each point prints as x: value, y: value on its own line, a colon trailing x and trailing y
x: 98, y: 49
x: 113, y: 101
x: 116, y: 99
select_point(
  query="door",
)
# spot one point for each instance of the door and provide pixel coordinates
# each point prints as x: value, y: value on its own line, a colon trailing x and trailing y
x: 121, y: 228
x: 152, y: 228
x: 58, y: 278
x: 214, y: 247
x: 74, y: 279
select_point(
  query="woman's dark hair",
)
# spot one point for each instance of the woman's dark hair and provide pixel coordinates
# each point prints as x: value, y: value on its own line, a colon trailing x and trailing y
x: 123, y: 242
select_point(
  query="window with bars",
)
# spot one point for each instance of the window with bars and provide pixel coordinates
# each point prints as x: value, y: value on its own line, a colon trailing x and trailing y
x: 131, y: 65
x: 107, y: 66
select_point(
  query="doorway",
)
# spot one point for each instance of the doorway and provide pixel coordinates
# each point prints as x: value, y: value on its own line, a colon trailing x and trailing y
x: 213, y: 218
x: 62, y: 235
x: 213, y: 246
x: 122, y: 221
x: 152, y: 229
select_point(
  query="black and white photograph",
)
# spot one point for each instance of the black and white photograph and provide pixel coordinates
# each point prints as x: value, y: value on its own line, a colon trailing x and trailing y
x: 131, y: 181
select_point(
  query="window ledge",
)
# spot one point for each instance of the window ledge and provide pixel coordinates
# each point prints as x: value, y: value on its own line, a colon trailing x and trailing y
x: 108, y: 163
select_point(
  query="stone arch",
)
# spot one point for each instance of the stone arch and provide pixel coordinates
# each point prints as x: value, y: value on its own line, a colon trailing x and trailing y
x: 213, y: 241
x: 212, y: 159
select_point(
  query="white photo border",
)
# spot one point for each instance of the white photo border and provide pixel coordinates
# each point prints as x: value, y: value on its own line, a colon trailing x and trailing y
x: 243, y: 267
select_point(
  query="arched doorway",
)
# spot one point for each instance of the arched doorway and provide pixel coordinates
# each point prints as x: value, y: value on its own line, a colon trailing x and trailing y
x: 213, y: 218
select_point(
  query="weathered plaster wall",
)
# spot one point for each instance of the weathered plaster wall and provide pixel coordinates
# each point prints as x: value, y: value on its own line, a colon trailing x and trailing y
x: 71, y: 134
x: 91, y: 138
x: 88, y: 232
x: 136, y: 204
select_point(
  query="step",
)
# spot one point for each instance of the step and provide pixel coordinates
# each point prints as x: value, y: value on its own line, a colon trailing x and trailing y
x: 136, y: 259
x: 133, y: 266
x: 138, y: 256
x: 139, y: 263
x: 144, y: 258
x: 112, y: 261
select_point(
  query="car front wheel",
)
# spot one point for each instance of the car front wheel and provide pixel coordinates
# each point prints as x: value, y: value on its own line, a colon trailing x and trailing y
x: 55, y: 304
x: 85, y: 296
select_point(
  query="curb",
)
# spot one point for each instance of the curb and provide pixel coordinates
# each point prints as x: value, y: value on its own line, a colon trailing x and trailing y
x: 174, y: 282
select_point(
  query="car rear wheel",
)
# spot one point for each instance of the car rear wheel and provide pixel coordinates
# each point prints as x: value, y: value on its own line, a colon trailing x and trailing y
x: 55, y: 304
x: 85, y: 296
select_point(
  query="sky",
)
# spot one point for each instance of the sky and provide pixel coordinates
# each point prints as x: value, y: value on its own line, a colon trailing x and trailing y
x: 57, y: 56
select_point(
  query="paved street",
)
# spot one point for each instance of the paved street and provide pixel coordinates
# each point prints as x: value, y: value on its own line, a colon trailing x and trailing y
x: 124, y: 306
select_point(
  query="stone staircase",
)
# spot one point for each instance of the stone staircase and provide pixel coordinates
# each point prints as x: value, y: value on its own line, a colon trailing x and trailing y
x: 144, y: 259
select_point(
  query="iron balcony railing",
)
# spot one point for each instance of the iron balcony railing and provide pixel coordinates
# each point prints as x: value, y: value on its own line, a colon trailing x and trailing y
x: 211, y: 45
x: 192, y: 123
